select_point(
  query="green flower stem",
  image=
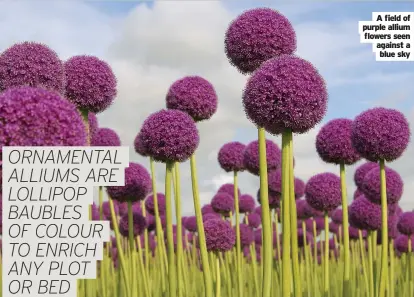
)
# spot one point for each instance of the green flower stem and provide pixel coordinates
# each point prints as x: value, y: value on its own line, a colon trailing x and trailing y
x: 146, y: 239
x: 286, y: 235
x: 371, y: 264
x: 384, y: 235
x: 172, y: 280
x: 100, y: 193
x: 267, y: 245
x: 294, y: 224
x: 200, y: 228
x: 410, y: 267
x: 307, y: 260
x: 363, y: 260
x: 326, y: 254
x: 347, y: 258
x: 392, y: 267
x: 132, y: 248
x: 240, y: 282
x: 315, y: 258
x: 179, y: 231
x: 218, y: 279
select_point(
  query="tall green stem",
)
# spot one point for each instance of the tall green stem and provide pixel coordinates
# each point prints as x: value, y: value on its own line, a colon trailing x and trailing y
x: 267, y: 244
x: 238, y: 244
x: 131, y: 240
x: 208, y: 284
x: 384, y: 233
x: 326, y: 260
x: 179, y: 232
x: 100, y: 193
x: 347, y: 259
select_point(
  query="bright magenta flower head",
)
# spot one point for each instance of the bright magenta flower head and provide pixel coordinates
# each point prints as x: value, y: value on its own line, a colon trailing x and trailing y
x: 228, y: 189
x: 323, y: 191
x: 258, y: 35
x: 361, y: 171
x: 220, y: 236
x: 139, y: 224
x: 231, y: 156
x: 139, y: 146
x: 223, y: 203
x: 150, y: 205
x: 105, y: 137
x: 406, y: 223
x: 246, y: 203
x: 251, y: 156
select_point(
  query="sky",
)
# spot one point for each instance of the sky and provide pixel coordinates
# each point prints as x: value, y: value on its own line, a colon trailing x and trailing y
x: 150, y: 45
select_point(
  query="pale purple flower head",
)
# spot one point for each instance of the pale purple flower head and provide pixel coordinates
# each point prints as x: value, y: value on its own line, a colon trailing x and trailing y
x: 334, y: 144
x: 220, y: 236
x: 286, y: 93
x: 406, y: 223
x: 90, y: 83
x: 246, y: 235
x: 365, y: 215
x: 223, y: 203
x: 139, y: 146
x: 137, y: 184
x: 170, y: 136
x: 150, y: 205
x: 106, y: 209
x: 337, y: 216
x: 251, y: 156
x: 371, y: 187
x: 254, y: 220
x: 380, y: 134
x: 258, y: 35
x: 228, y: 189
x: 139, y: 224
x: 190, y: 224
x: 231, y: 156
x: 361, y: 171
x: 105, y: 137
x: 37, y: 117
x: 323, y: 191
x: 299, y: 188
x: 193, y: 95
x: 401, y: 243
x: 207, y: 209
x: 246, y: 203
x: 31, y: 64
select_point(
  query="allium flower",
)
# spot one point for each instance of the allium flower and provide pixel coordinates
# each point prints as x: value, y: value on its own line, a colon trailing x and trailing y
x: 319, y: 222
x: 258, y: 35
x: 254, y: 220
x: 137, y: 184
x: 90, y: 83
x: 333, y: 227
x: 93, y: 124
x: 150, y: 205
x: 223, y: 203
x: 371, y: 186
x: 286, y: 92
x: 170, y: 135
x: 357, y: 194
x: 380, y: 134
x: 354, y: 233
x: 220, y: 236
x: 228, y: 189
x: 361, y: 171
x: 302, y: 209
x: 193, y: 95
x: 401, y: 244
x: 301, y: 237
x: 151, y: 222
x: 139, y: 146
x: 106, y: 210
x: 211, y: 216
x: 31, y: 64
x: 258, y: 210
x: 299, y: 188
x: 122, y: 206
x: 337, y: 216
x: 36, y: 117
x: 334, y: 145
x: 191, y: 224
x: 273, y: 197
x: 365, y: 215
x: 275, y: 181
x: 139, y: 224
x: 246, y: 203
x: 406, y: 223
x: 105, y: 137
x: 207, y: 209
x: 251, y: 156
x: 231, y: 156
x: 323, y: 191
x: 246, y: 235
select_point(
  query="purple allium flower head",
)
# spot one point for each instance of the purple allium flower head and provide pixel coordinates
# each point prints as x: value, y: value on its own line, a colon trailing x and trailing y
x: 273, y: 197
x: 139, y: 224
x: 123, y: 207
x: 380, y: 134
x: 37, y: 117
x: 220, y: 236
x: 246, y: 203
x: 139, y: 146
x: 231, y: 156
x: 312, y: 212
x: 223, y: 203
x: 357, y: 194
x: 228, y: 189
x: 150, y: 205
x: 301, y: 237
x: 337, y: 216
x: 361, y: 171
x: 371, y: 187
x: 406, y: 223
x: 286, y: 92
x: 207, y: 209
x: 246, y: 235
x: 401, y: 243
x: 137, y: 184
x: 151, y: 222
x: 90, y: 83
x: 258, y: 35
x: 275, y: 181
x: 254, y: 220
x: 93, y: 124
x: 105, y: 137
x: 333, y: 227
x: 211, y: 216
x: 170, y: 135
x: 302, y: 209
x: 251, y: 156
x: 31, y: 64
x: 354, y: 233
x: 191, y: 224
x: 398, y: 209
x: 323, y: 191
x: 258, y: 210
x: 193, y: 95
x: 334, y: 145
x: 299, y: 188
x: 106, y: 209
x: 365, y: 215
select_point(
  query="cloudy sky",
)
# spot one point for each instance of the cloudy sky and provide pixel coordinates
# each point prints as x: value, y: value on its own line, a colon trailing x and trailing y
x: 150, y: 45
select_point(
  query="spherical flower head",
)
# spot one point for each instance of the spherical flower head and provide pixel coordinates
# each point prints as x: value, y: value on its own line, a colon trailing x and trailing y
x: 37, y: 117
x: 302, y: 208
x: 357, y: 194
x: 90, y: 83
x: 273, y: 197
x: 246, y: 203
x: 274, y: 179
x: 170, y: 136
x: 105, y: 137
x: 93, y: 124
x: 286, y: 92
x: 301, y: 237
x: 337, y: 216
x: 256, y: 36
x: 223, y: 203
x: 246, y: 235
x: 228, y: 189
x: 137, y: 184
x: 254, y: 220
x: 31, y: 64
x: 193, y: 95
x: 401, y: 243
x: 334, y: 145
x: 380, y: 134
x: 191, y: 224
x: 333, y: 227
x: 299, y: 188
x: 207, y: 209
x: 211, y: 216
x: 405, y: 223
x: 251, y: 156
x: 361, y: 171
x: 323, y: 191
x: 151, y: 222
x: 139, y: 224
x: 371, y: 186
x: 150, y: 205
x: 122, y: 206
x: 365, y: 215
x: 231, y: 156
x: 139, y: 146
x: 312, y: 212
x: 311, y: 222
x: 106, y: 209
x: 258, y: 210
x: 354, y: 233
x: 220, y: 236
